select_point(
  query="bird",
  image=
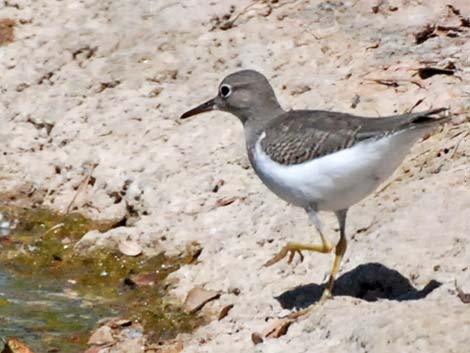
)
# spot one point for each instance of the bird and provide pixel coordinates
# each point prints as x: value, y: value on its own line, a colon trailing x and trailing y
x: 316, y: 159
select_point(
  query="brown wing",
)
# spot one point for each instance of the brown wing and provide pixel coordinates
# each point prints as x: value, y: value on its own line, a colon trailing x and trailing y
x: 309, y: 134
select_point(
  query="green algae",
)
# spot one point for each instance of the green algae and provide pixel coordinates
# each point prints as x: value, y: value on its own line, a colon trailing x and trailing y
x: 75, y: 291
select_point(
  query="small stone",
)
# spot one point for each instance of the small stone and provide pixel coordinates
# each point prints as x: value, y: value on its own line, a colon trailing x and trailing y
x: 130, y: 248
x: 464, y: 297
x: 193, y: 250
x: 13, y: 345
x: 224, y: 312
x: 103, y: 335
x: 116, y: 323
x: 218, y: 185
x: 257, y: 338
x: 145, y: 279
x: 197, y: 298
x: 134, y: 345
x: 234, y: 290
x: 226, y: 201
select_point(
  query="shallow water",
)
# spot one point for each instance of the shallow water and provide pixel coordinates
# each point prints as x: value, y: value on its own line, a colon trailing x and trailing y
x: 44, y: 317
x: 52, y: 298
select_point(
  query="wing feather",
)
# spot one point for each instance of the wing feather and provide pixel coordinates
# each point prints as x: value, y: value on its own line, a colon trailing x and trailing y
x: 309, y: 134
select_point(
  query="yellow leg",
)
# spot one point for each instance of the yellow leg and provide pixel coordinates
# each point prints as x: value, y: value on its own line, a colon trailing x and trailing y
x: 339, y: 254
x: 292, y: 248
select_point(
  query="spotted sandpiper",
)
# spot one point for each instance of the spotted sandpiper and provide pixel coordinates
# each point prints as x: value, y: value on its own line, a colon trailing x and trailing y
x: 314, y: 159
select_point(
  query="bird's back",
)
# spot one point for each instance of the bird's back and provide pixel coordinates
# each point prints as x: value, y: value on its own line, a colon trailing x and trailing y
x: 301, y: 135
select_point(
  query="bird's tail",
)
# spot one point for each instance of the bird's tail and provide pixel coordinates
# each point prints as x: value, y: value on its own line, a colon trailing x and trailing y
x: 431, y: 117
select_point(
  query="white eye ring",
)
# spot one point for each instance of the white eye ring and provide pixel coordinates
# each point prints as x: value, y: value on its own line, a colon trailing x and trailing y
x: 225, y: 90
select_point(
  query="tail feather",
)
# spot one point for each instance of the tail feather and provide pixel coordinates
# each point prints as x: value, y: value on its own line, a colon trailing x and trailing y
x: 429, y: 117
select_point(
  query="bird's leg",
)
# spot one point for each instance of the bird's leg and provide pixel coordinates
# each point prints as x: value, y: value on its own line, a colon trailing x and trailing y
x: 339, y: 253
x: 292, y: 248
x: 340, y: 249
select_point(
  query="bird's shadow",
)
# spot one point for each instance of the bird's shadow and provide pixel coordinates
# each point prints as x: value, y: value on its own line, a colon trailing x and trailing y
x: 370, y: 282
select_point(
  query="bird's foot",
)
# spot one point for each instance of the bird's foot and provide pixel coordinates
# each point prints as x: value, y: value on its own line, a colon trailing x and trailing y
x: 289, y: 249
x: 280, y: 326
x: 296, y: 248
x: 304, y: 313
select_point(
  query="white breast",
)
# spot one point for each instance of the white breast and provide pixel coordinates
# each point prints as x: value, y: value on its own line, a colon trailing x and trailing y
x: 340, y: 179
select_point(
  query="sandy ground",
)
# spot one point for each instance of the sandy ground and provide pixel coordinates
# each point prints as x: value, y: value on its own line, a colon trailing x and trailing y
x: 91, y: 92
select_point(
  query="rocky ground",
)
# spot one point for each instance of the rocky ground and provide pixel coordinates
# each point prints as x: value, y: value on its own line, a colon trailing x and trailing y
x: 91, y: 92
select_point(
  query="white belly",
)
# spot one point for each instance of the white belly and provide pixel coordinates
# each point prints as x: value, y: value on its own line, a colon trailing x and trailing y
x: 338, y: 180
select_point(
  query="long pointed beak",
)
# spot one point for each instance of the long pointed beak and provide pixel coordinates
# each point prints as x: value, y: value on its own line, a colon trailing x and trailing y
x: 204, y: 107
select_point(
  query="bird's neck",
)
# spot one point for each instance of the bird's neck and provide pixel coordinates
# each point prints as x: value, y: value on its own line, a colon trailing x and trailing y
x: 256, y: 123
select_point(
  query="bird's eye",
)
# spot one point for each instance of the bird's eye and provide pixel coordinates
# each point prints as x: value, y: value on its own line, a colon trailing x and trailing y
x: 225, y: 91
